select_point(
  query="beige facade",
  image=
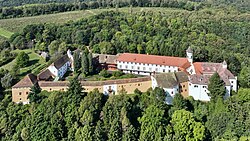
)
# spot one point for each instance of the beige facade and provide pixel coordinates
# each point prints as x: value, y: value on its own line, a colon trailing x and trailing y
x: 184, y: 89
x: 130, y: 87
x: 20, y: 95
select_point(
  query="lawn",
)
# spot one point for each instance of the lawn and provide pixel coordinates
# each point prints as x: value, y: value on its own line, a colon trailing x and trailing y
x: 5, y: 33
x: 34, y: 62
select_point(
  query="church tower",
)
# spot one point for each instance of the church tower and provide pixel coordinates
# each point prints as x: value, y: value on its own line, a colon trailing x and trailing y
x: 189, y: 53
x: 224, y: 64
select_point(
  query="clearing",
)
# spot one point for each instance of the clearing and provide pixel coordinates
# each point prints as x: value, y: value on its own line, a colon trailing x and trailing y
x: 35, y: 62
x: 17, y: 24
x: 5, y: 33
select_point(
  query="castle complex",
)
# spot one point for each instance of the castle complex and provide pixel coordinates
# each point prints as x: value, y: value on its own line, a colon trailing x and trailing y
x: 173, y: 74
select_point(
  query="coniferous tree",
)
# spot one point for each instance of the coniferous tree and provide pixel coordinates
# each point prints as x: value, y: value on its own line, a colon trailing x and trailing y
x: 85, y: 64
x: 216, y: 87
x: 34, y: 94
x: 98, y: 133
x: 115, y: 131
x: 90, y: 61
x: 77, y: 64
x: 75, y: 90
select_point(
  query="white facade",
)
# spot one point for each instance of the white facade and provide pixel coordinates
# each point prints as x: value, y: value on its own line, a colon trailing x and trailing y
x: 109, y: 89
x: 53, y: 70
x: 144, y: 69
x: 198, y: 92
x: 61, y: 71
x: 170, y: 92
x: 233, y: 83
x: 189, y: 56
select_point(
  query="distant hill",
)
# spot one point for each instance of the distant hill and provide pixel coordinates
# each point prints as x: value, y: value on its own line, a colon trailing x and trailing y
x: 243, y: 5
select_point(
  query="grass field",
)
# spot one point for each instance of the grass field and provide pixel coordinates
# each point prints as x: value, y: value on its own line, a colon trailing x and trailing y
x: 17, y: 24
x: 34, y: 62
x: 5, y: 33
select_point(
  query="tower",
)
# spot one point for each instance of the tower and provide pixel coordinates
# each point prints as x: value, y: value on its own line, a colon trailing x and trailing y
x: 224, y: 64
x: 189, y: 53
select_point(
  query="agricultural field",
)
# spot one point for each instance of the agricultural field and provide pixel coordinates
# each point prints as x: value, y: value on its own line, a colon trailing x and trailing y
x: 17, y: 24
x: 5, y: 33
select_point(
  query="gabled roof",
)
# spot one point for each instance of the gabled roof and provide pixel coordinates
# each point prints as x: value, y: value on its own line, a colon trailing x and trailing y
x: 181, y: 77
x: 154, y: 59
x: 105, y: 58
x: 45, y: 75
x: 166, y: 80
x: 204, y: 70
x: 61, y: 61
x: 28, y: 81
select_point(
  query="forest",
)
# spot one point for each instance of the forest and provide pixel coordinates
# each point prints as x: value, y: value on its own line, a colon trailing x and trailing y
x: 74, y: 115
x: 213, y: 38
x: 215, y: 35
x: 48, y: 7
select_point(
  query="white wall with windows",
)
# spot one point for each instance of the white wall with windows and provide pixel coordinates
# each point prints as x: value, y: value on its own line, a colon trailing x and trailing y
x: 233, y: 83
x: 144, y: 69
x: 198, y: 92
x: 110, y: 89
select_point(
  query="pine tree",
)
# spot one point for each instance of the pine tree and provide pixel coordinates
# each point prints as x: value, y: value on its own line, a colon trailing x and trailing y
x: 90, y: 61
x: 115, y: 131
x: 34, y: 94
x: 77, y: 64
x: 85, y: 64
x: 98, y: 133
x: 75, y: 90
x: 216, y: 87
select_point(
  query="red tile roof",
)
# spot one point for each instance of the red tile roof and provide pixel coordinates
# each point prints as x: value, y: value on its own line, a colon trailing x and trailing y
x: 204, y: 70
x: 154, y: 59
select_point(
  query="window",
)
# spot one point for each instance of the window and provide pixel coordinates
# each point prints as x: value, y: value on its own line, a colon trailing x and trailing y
x: 150, y: 69
x: 63, y: 89
x: 126, y: 66
x: 20, y: 93
x: 20, y: 99
x: 139, y: 84
x: 183, y: 86
x: 232, y: 82
x: 27, y: 92
x: 132, y: 67
x: 172, y: 92
x: 163, y: 70
x: 204, y: 86
x: 196, y: 86
x: 120, y: 66
x: 50, y: 89
x: 156, y: 69
x: 138, y: 68
x: 144, y: 68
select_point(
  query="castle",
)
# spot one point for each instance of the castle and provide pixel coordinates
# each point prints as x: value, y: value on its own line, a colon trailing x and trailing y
x: 173, y: 74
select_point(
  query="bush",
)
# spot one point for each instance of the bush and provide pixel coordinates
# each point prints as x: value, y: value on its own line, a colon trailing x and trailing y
x: 104, y: 73
x: 117, y: 73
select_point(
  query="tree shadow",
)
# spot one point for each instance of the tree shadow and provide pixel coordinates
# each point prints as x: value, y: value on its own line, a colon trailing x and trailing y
x: 25, y: 73
x: 32, y: 62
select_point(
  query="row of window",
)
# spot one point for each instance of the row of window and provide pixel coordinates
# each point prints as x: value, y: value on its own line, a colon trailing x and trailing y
x: 144, y: 69
x: 147, y: 64
x: 20, y: 93
x: 196, y: 86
